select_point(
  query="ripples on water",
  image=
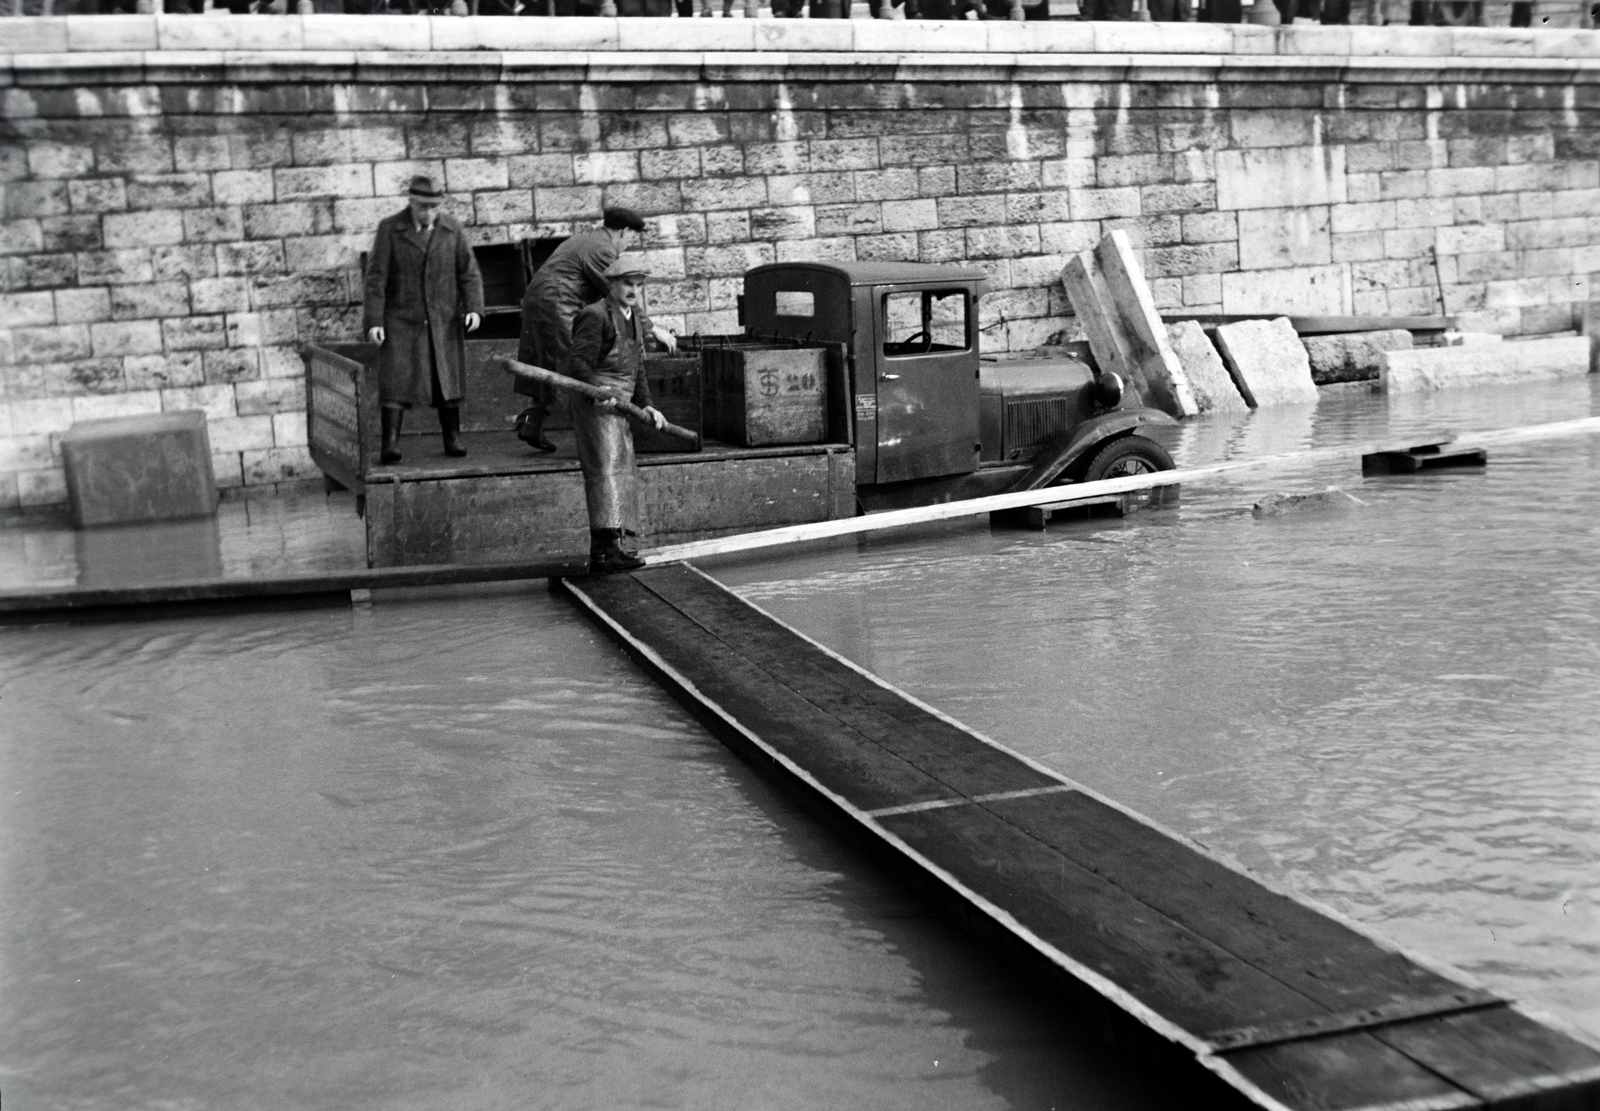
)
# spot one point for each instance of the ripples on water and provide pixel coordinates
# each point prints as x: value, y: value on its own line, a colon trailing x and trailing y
x: 450, y: 853
x: 1392, y: 709
x: 457, y: 852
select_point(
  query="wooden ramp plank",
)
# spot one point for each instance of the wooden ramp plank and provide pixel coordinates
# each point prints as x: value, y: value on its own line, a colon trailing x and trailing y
x: 951, y: 755
x: 842, y: 760
x: 1319, y: 957
x: 1503, y: 1056
x: 1270, y: 1002
x: 1170, y: 969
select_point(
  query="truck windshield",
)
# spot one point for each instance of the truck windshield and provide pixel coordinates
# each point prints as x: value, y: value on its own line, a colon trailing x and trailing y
x: 925, y: 321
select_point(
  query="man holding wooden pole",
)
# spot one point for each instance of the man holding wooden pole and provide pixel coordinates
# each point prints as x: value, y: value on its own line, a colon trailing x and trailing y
x: 608, y: 351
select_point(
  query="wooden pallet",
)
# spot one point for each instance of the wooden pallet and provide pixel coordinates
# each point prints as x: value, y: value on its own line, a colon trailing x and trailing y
x: 1039, y: 517
x: 1426, y: 457
x: 1248, y: 995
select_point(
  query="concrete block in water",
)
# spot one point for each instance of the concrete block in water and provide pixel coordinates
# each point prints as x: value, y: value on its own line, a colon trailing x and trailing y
x: 1267, y: 361
x: 151, y: 467
x: 1437, y: 368
x: 1274, y: 505
x: 1213, y: 388
x: 1351, y: 356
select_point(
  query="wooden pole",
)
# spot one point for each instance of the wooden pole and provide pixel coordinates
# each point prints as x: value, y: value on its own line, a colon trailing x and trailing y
x: 572, y: 385
x: 1087, y: 491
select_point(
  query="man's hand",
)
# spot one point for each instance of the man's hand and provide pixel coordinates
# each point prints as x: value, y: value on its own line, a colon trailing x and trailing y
x: 472, y: 321
x: 667, y: 340
x: 374, y: 335
x: 657, y: 417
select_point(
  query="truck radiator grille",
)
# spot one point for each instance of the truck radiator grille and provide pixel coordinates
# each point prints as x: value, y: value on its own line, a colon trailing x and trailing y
x: 1030, y: 423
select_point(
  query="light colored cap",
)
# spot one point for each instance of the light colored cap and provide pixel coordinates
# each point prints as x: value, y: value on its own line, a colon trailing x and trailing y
x: 627, y: 266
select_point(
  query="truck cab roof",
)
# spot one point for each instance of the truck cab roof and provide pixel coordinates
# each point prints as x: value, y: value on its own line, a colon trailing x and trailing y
x: 881, y: 273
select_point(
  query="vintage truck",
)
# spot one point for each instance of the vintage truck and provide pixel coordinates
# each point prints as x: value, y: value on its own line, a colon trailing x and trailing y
x: 932, y: 418
x: 910, y: 412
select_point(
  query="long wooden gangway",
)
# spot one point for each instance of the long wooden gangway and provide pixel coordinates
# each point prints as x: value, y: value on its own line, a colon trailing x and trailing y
x: 1252, y: 996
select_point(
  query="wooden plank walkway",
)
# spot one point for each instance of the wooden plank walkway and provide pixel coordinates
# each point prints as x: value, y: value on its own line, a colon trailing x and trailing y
x: 1263, y: 1000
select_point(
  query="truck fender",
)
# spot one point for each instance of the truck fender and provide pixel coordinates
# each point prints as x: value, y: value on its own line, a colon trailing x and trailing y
x: 1055, y: 461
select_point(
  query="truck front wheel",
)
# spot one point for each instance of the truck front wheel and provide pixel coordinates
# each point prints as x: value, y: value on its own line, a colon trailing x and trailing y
x: 1126, y: 456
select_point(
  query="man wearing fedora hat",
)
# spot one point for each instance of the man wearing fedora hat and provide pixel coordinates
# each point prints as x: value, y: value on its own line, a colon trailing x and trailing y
x: 608, y: 351
x: 572, y: 277
x: 423, y: 294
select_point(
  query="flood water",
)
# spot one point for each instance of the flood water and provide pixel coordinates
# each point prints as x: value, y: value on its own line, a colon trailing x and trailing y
x: 452, y: 850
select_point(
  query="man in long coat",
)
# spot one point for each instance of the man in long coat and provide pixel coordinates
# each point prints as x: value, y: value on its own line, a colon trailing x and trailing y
x: 423, y: 294
x: 572, y: 277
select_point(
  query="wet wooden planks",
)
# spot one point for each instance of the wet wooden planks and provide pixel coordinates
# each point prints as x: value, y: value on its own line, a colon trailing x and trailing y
x: 1271, y: 1002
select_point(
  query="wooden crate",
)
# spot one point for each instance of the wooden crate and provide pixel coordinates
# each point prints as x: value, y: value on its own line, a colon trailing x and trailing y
x: 675, y: 387
x: 768, y: 395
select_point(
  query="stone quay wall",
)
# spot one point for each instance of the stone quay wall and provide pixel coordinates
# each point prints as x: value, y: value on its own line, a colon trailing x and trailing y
x: 186, y: 198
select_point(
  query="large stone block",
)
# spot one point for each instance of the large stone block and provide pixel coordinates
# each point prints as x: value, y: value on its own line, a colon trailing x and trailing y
x: 1267, y: 361
x: 1436, y: 368
x: 1353, y: 356
x: 151, y: 467
x: 1213, y: 388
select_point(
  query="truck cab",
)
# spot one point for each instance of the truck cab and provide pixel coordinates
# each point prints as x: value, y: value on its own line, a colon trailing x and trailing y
x: 934, y: 418
x: 911, y: 334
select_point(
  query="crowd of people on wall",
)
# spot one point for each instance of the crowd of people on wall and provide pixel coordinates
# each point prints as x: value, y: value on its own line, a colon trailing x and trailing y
x: 1416, y: 12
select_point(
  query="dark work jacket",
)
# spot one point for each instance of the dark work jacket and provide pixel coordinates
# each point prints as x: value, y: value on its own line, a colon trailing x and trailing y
x: 418, y: 290
x: 598, y: 359
x: 572, y: 277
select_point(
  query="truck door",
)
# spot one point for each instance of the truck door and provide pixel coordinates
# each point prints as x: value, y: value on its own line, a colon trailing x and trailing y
x: 927, y: 362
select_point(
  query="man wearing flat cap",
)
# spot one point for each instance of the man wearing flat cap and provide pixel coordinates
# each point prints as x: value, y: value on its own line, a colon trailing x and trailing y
x: 608, y: 339
x: 423, y: 294
x: 572, y: 277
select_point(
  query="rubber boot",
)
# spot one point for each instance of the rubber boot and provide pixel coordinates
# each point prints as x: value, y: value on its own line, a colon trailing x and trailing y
x: 530, y: 429
x: 607, y: 555
x: 450, y: 426
x: 391, y: 419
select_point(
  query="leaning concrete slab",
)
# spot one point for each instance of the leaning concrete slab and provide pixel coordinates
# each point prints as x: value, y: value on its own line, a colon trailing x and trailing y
x: 1147, y: 336
x: 1267, y: 361
x: 1437, y: 368
x: 1113, y: 303
x: 1213, y: 388
x: 150, y: 467
x: 1351, y: 356
x: 1092, y: 304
